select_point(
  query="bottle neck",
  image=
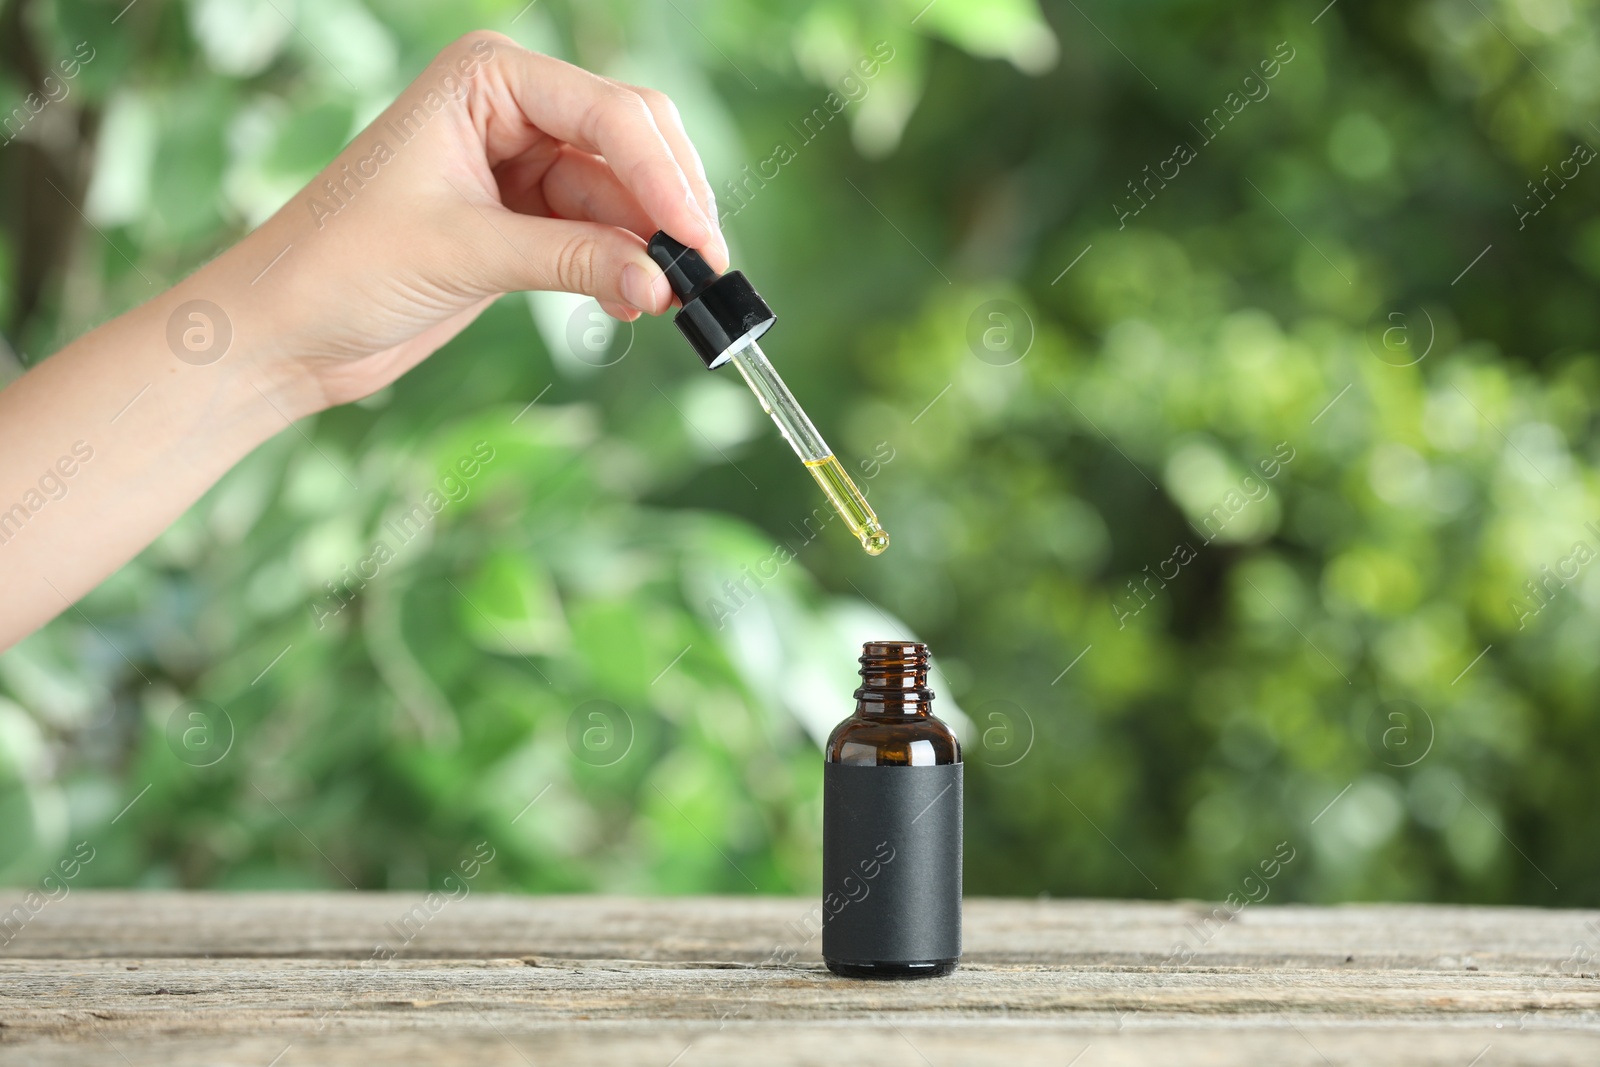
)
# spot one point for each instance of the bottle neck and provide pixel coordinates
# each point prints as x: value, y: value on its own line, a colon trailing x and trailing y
x: 895, y: 709
x: 894, y: 681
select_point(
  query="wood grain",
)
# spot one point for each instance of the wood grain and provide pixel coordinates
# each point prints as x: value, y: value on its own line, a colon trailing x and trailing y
x: 293, y: 979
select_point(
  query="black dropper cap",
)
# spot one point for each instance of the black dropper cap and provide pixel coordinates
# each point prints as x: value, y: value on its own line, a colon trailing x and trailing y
x: 718, y: 309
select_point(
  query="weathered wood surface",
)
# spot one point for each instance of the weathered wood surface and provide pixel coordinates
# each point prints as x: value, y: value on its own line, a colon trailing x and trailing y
x: 293, y: 979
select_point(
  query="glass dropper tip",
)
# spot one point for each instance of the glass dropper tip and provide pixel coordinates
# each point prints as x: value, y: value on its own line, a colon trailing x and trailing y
x: 874, y: 539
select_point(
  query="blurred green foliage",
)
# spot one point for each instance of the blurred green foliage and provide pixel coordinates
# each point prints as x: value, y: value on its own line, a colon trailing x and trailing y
x: 1216, y: 493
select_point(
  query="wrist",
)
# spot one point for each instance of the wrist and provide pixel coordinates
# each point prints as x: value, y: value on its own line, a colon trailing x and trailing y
x: 225, y: 321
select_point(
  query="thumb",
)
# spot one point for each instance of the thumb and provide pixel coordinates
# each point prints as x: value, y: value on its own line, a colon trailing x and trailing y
x: 564, y: 255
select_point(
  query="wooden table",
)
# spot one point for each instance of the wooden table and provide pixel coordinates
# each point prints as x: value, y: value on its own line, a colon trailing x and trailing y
x: 291, y: 979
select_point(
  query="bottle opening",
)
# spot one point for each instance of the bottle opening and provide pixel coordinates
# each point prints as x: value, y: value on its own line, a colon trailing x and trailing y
x: 894, y: 672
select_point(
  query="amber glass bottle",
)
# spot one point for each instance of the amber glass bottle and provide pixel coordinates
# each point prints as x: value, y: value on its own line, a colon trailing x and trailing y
x: 891, y: 838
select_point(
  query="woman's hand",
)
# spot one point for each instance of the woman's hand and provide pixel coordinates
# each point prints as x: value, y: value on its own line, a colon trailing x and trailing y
x: 496, y: 170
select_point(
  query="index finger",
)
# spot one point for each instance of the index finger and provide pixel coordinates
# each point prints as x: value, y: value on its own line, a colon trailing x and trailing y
x: 602, y: 117
x: 670, y: 123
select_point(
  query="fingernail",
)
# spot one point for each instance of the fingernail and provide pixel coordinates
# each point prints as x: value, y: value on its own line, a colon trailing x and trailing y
x: 720, y: 244
x: 700, y: 214
x: 645, y: 287
x: 620, y: 312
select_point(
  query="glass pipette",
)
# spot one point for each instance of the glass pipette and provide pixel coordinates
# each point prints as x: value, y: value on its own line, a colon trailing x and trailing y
x: 808, y: 444
x: 722, y: 317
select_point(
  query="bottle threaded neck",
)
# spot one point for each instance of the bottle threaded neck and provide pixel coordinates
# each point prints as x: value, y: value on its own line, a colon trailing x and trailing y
x: 895, y: 673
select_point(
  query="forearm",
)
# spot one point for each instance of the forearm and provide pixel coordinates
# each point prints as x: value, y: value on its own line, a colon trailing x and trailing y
x: 108, y: 441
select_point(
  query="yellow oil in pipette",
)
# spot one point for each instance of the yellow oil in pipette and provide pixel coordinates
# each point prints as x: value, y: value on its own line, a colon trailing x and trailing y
x: 849, y: 503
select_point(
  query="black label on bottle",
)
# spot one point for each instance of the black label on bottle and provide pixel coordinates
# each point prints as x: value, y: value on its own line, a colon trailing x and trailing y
x: 891, y: 863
